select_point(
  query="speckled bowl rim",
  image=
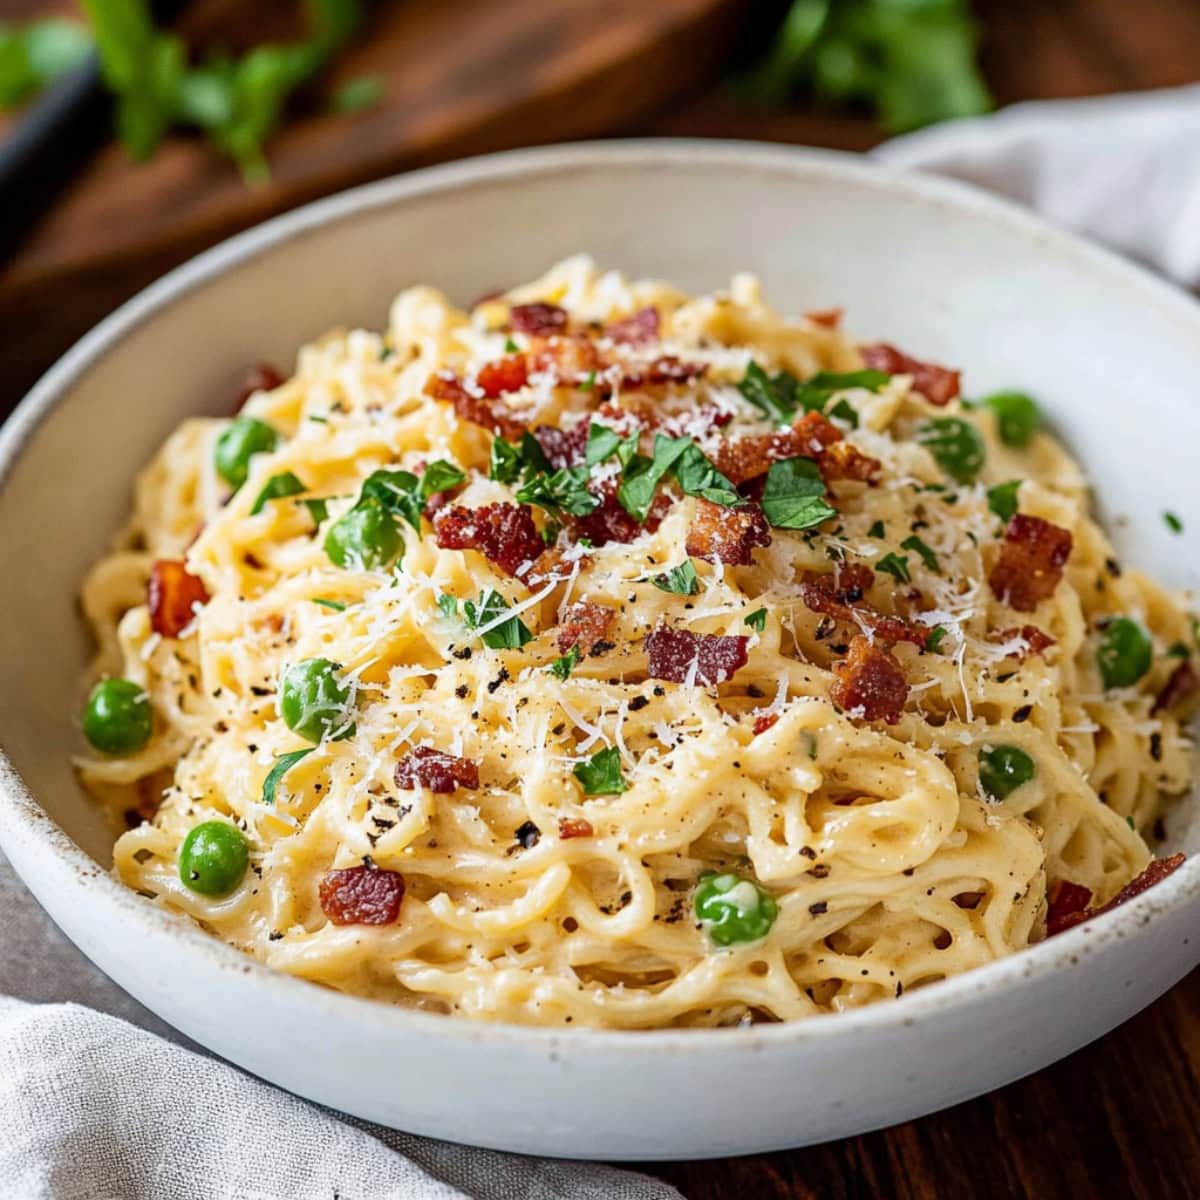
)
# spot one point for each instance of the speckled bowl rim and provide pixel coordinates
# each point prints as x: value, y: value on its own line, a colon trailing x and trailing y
x: 24, y: 820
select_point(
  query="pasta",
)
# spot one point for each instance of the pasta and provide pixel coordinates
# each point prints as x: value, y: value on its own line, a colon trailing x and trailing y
x: 610, y: 657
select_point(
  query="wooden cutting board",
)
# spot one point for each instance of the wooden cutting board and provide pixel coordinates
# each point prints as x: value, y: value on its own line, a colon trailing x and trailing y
x: 460, y: 77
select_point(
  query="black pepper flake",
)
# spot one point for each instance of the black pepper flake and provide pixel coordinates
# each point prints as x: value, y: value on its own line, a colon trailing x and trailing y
x: 1156, y: 747
x: 274, y: 936
x: 808, y: 852
x: 600, y: 648
x: 558, y: 729
x: 660, y: 691
x: 463, y: 652
x: 1022, y: 713
x: 528, y: 835
x: 820, y: 907
x: 493, y: 684
x: 255, y: 690
x: 1113, y: 567
x: 461, y: 691
x: 820, y: 871
x: 369, y: 863
x: 754, y: 690
x: 638, y: 703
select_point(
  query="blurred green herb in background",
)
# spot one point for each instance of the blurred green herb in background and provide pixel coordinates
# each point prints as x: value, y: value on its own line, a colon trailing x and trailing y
x: 357, y: 95
x: 911, y: 62
x: 33, y: 55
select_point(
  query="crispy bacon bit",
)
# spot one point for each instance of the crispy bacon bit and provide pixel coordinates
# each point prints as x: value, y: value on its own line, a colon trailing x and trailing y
x: 1030, y: 563
x: 1067, y: 899
x: 574, y: 827
x: 664, y: 369
x: 816, y: 434
x: 611, y: 523
x: 937, y: 384
x: 1156, y: 872
x: 173, y: 594
x: 846, y: 461
x: 640, y: 329
x: 1181, y: 684
x: 834, y: 600
x: 507, y: 374
x: 1036, y: 640
x: 569, y: 359
x: 549, y: 565
x: 744, y: 458
x: 442, y: 773
x: 831, y: 318
x: 503, y: 533
x: 727, y: 535
x: 584, y: 624
x: 260, y: 378
x: 363, y: 895
x: 694, y: 422
x: 563, y: 447
x: 680, y: 656
x: 763, y: 722
x: 540, y: 319
x: 812, y: 436
x: 870, y: 683
x: 491, y: 415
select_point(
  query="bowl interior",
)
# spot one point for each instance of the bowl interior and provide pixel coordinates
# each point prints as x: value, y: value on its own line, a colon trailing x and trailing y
x: 1111, y: 354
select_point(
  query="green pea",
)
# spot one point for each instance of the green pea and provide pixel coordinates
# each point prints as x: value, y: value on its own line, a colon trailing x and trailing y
x: 1124, y: 653
x: 213, y: 858
x: 314, y: 702
x: 733, y: 909
x: 956, y: 444
x: 1002, y: 769
x: 118, y: 718
x: 1017, y: 417
x: 367, y: 538
x: 245, y: 437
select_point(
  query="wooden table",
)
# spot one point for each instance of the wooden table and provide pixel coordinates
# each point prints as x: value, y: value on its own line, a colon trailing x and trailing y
x: 1119, y: 1118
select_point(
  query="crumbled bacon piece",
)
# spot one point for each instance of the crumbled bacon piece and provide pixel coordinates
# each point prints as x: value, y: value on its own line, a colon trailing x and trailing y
x: 841, y: 601
x: 584, y: 624
x: 173, y: 593
x: 831, y: 318
x: 540, y: 319
x: 816, y: 434
x: 1156, y: 872
x: 727, y: 535
x: 847, y: 461
x: 549, y: 565
x: 639, y: 329
x: 442, y: 773
x: 365, y: 895
x: 503, y: 533
x: 763, y: 722
x: 870, y: 683
x: 507, y: 374
x: 563, y: 447
x: 1067, y: 899
x: 664, y: 369
x: 260, y: 378
x: 1181, y: 684
x: 611, y: 523
x: 743, y: 458
x: 490, y: 414
x: 569, y: 359
x: 1036, y: 640
x: 1031, y: 561
x: 695, y: 422
x: 574, y: 827
x: 680, y: 656
x: 812, y: 436
x: 938, y: 385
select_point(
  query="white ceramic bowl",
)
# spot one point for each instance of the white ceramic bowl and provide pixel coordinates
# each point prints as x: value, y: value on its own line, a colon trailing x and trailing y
x: 935, y: 267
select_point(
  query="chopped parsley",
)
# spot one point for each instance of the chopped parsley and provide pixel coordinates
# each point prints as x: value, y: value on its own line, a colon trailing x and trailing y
x: 601, y: 774
x: 448, y: 606
x: 587, y: 382
x: 794, y: 495
x: 680, y: 580
x: 561, y: 668
x: 510, y: 347
x: 336, y: 605
x: 1002, y: 499
x: 563, y: 491
x: 509, y: 634
x: 511, y: 462
x: 757, y: 620
x: 1017, y: 417
x: 956, y: 444
x: 1173, y: 523
x: 844, y: 412
x: 1178, y: 650
x: 277, y: 488
x: 694, y: 473
x: 936, y: 635
x: 920, y: 548
x: 877, y: 530
x: 780, y: 396
x: 283, y: 764
x: 895, y: 565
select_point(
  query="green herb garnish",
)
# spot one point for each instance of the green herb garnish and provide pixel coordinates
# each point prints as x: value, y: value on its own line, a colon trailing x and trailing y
x: 927, y: 556
x: 563, y: 491
x: 895, y: 565
x: 357, y: 95
x: 561, y: 668
x: 794, y: 495
x: 35, y: 54
x: 509, y: 634
x: 336, y: 605
x: 956, y: 444
x: 1173, y: 522
x: 1017, y: 417
x: 935, y: 638
x: 1002, y: 499
x: 757, y: 620
x: 681, y: 580
x: 283, y: 764
x: 877, y: 530
x: 601, y: 774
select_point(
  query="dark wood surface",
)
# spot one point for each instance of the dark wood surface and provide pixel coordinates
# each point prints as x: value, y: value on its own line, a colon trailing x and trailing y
x: 1119, y: 1118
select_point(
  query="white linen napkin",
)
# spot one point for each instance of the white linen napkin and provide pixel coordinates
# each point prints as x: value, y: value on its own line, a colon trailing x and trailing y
x: 92, y: 1106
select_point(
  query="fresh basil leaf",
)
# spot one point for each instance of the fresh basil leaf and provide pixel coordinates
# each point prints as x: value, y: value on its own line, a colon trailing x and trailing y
x: 398, y: 492
x: 357, y: 95
x: 895, y: 565
x: 794, y: 495
x: 814, y: 394
x: 1017, y: 417
x: 561, y: 668
x: 601, y: 774
x: 283, y: 764
x: 774, y: 396
x: 697, y: 475
x: 510, y: 347
x: 440, y: 476
x: 317, y: 509
x: 1002, y: 499
x: 510, y: 634
x: 926, y: 555
x: 844, y: 412
x: 757, y: 620
x: 602, y: 443
x: 587, y: 382
x: 277, y: 488
x: 681, y: 580
x: 448, y: 606
x: 505, y: 465
x: 643, y: 475
x: 957, y: 446
x: 564, y: 491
